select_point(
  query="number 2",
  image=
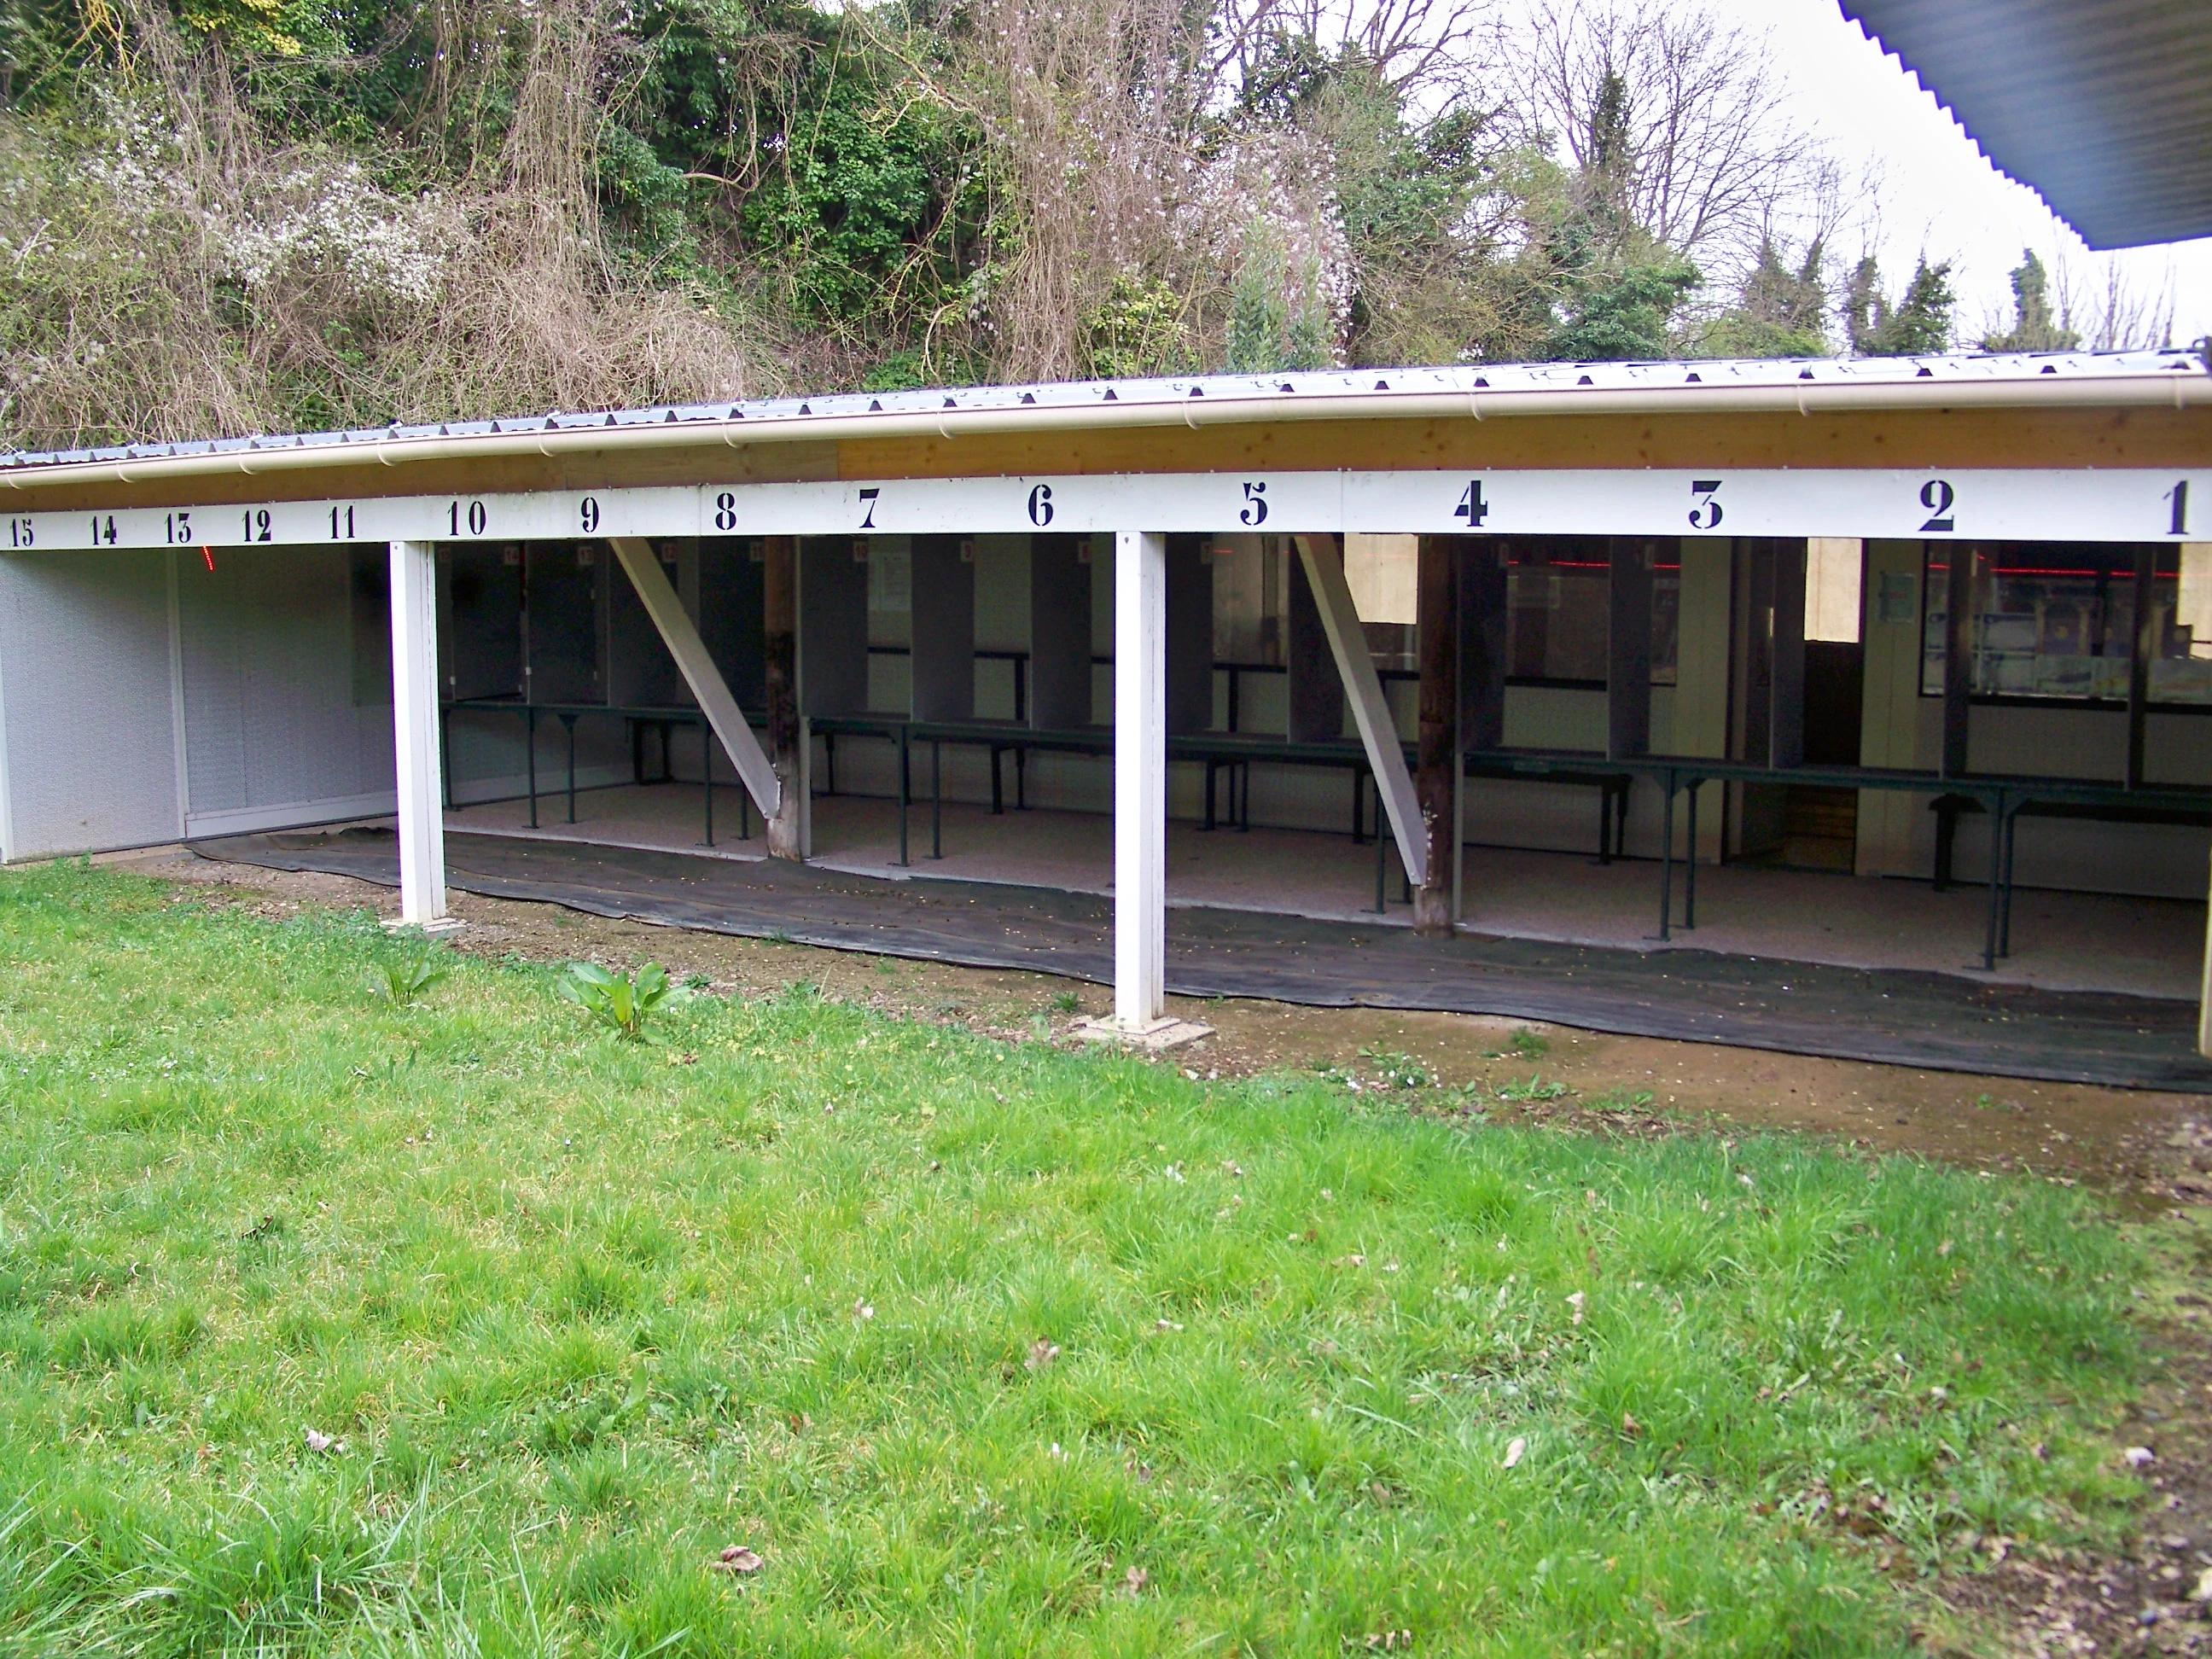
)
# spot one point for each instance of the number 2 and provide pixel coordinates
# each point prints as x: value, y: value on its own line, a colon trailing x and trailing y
x: 1937, y: 496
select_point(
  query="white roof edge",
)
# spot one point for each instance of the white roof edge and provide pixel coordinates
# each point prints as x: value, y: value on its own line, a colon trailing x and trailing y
x: 2172, y: 378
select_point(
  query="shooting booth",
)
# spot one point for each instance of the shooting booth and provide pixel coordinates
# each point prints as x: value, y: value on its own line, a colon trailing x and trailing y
x: 1856, y: 667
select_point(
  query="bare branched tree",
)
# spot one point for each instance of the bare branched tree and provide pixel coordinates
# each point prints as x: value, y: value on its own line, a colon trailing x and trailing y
x: 1427, y: 50
x: 1711, y: 162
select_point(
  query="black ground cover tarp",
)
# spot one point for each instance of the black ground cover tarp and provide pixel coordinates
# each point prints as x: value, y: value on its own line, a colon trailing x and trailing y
x: 1907, y: 1018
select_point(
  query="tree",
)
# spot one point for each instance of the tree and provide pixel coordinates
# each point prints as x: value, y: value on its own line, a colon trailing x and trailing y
x: 1779, y: 312
x: 1623, y: 312
x: 2034, y: 328
x: 1919, y: 324
x: 1673, y: 118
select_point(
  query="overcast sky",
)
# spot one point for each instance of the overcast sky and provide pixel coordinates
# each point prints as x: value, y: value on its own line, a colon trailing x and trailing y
x: 1938, y: 192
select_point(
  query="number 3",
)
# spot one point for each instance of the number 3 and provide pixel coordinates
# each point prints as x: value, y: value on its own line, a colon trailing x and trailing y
x: 1706, y: 514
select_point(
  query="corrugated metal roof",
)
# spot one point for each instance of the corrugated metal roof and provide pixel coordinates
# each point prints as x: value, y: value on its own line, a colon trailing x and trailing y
x: 2104, y: 107
x: 1253, y: 396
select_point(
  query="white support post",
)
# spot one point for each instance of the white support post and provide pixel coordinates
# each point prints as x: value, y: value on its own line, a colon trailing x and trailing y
x: 1370, y: 709
x: 415, y: 732
x: 1141, y: 780
x: 698, y: 666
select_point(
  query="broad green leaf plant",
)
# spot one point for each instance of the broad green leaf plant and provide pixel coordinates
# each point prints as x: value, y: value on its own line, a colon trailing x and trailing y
x: 619, y: 1001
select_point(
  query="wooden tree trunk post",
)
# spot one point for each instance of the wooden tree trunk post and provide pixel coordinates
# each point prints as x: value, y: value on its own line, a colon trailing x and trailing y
x: 1437, y: 748
x: 779, y: 636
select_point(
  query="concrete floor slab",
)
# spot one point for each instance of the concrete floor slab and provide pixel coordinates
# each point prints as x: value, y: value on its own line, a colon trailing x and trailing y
x: 2061, y: 941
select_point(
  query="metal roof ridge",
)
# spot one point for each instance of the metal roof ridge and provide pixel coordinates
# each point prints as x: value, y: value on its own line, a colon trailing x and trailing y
x: 1216, y: 397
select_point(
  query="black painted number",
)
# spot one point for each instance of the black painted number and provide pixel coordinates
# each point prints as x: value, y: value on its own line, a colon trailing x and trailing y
x: 1938, y: 497
x: 1472, y: 508
x: 1706, y: 513
x: 341, y: 524
x: 1041, y: 506
x: 726, y: 511
x: 18, y: 533
x: 103, y: 529
x: 869, y: 495
x: 587, y: 513
x: 1255, y: 504
x: 256, y: 524
x: 177, y: 528
x: 2179, y: 497
x: 474, y: 517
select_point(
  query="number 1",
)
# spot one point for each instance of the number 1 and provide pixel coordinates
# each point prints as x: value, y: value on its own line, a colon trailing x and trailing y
x: 2179, y: 497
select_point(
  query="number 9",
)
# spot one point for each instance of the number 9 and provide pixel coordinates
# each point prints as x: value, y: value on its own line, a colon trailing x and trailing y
x: 589, y: 515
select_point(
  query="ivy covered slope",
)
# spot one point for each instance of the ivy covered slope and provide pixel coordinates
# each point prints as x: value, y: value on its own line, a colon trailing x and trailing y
x: 360, y: 1312
x: 230, y: 215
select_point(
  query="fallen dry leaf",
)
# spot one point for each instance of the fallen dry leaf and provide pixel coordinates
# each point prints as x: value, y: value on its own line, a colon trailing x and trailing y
x: 1514, y: 1450
x: 2140, y: 1457
x: 862, y: 1310
x: 1134, y: 1580
x: 1043, y: 1352
x: 1576, y: 1303
x: 738, y: 1558
x: 320, y: 1442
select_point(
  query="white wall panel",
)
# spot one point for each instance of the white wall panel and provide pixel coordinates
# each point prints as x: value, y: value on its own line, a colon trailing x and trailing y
x: 90, y: 752
x: 273, y: 732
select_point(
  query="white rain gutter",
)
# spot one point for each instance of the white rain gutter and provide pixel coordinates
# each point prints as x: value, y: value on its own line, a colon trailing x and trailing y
x: 2173, y: 388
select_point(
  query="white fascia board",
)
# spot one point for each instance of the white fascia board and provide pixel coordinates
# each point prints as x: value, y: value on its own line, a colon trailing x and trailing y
x: 2077, y: 505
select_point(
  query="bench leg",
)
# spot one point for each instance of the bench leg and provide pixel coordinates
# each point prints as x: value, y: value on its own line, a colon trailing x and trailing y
x: 1996, y: 885
x: 937, y: 800
x: 1381, y: 859
x: 1666, y: 858
x: 998, y: 799
x: 1690, y: 868
x: 906, y: 792
x: 1946, y: 836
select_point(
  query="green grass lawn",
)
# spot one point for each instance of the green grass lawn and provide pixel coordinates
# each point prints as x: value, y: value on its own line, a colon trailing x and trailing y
x: 981, y: 1348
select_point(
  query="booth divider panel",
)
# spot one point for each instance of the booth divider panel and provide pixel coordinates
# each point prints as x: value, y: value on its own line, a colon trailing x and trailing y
x: 833, y: 627
x: 640, y: 671
x: 564, y: 597
x: 731, y: 613
x: 943, y: 608
x: 1316, y: 690
x: 1059, y: 633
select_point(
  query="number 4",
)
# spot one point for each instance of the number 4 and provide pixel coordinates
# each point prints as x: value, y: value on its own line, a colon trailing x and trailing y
x: 1472, y: 508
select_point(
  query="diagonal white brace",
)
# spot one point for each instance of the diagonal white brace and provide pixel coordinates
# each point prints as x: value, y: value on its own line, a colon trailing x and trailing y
x: 699, y: 672
x: 1370, y: 709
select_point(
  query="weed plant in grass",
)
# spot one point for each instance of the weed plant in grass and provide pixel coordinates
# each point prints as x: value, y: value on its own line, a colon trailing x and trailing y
x: 980, y: 1348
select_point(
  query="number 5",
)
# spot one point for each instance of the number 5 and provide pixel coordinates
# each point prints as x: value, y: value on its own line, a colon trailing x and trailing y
x: 1256, y: 505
